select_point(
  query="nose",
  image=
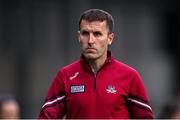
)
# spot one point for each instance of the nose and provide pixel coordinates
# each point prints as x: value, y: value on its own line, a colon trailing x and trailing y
x: 91, y: 38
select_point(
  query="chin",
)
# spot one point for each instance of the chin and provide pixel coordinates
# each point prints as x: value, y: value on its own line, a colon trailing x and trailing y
x: 90, y: 56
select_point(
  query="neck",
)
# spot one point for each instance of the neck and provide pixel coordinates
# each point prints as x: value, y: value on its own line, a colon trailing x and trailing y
x: 97, y: 63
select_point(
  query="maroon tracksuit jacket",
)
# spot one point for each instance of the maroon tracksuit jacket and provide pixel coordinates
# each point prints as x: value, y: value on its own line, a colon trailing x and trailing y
x: 115, y: 91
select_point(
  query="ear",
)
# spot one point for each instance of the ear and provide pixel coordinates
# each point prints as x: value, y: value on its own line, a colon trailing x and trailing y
x: 78, y: 35
x: 110, y: 38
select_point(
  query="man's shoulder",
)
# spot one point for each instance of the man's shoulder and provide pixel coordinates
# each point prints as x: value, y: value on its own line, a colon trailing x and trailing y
x: 73, y: 65
x: 125, y: 69
x: 69, y: 69
x: 123, y: 66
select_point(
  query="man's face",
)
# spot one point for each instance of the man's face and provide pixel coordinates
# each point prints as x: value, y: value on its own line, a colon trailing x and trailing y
x: 94, y: 38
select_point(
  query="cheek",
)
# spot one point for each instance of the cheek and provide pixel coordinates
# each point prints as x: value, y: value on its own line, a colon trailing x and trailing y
x: 82, y: 40
x: 103, y: 43
x: 83, y: 43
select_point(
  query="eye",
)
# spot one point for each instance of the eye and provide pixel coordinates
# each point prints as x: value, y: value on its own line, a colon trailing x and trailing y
x: 84, y: 33
x: 96, y: 34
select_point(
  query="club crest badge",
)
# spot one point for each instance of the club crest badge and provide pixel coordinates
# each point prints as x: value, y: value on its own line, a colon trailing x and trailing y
x: 111, y: 89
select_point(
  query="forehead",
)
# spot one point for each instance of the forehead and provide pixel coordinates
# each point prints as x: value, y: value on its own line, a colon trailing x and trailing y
x: 95, y: 25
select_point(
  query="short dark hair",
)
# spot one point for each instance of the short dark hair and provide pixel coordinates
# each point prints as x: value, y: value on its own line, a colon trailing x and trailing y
x: 98, y: 15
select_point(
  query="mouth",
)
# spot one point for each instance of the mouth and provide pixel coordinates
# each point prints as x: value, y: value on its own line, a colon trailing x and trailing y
x: 90, y: 50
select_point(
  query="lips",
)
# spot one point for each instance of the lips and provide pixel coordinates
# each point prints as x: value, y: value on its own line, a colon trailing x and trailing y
x: 90, y: 50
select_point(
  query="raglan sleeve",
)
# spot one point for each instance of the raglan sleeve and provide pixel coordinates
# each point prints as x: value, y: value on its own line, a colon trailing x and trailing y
x: 54, y: 105
x: 138, y: 101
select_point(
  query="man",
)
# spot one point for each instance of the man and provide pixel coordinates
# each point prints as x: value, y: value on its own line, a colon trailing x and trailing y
x: 97, y: 85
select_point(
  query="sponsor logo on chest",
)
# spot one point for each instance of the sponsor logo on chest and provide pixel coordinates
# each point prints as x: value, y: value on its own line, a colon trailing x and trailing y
x: 77, y: 89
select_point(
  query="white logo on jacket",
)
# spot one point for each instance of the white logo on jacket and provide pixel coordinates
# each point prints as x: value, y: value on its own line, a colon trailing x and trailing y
x: 111, y: 89
x: 74, y: 76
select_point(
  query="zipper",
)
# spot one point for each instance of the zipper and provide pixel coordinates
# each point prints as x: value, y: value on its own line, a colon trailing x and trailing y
x: 94, y: 81
x: 95, y: 75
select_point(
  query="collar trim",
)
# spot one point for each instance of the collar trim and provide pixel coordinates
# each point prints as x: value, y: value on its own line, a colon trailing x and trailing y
x: 85, y: 63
